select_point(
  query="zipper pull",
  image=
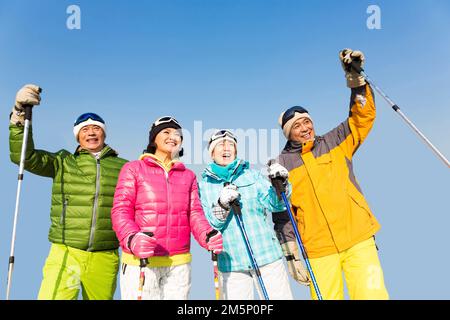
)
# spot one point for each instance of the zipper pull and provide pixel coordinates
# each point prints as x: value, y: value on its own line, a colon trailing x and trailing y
x: 63, y: 213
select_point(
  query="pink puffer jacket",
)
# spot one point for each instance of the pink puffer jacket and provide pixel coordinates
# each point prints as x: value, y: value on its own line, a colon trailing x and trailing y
x: 147, y: 198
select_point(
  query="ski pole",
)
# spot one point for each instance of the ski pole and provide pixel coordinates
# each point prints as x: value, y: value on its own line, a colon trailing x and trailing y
x: 216, y: 275
x: 237, y: 211
x: 142, y: 264
x: 28, y: 115
x: 236, y: 207
x: 216, y: 269
x: 396, y: 108
x: 279, y: 186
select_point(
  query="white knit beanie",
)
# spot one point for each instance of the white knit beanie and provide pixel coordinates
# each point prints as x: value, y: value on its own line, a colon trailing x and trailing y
x: 216, y: 142
x: 224, y: 135
x: 288, y: 125
x: 77, y: 128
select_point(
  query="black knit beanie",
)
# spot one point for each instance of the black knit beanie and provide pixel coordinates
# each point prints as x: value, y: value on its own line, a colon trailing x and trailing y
x: 155, y: 129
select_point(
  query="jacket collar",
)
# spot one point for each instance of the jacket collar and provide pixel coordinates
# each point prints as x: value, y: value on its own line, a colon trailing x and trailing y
x: 150, y: 160
x: 240, y: 167
x: 297, y: 147
x: 106, y: 151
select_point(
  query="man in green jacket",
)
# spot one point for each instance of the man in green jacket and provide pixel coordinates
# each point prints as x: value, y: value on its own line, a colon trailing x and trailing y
x: 84, y: 250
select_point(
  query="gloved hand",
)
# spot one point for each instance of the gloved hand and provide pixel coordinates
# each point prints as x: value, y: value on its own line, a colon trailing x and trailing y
x: 219, y: 212
x: 278, y: 172
x: 295, y: 266
x: 27, y: 95
x: 228, y: 194
x: 142, y: 245
x: 215, y: 242
x: 347, y: 56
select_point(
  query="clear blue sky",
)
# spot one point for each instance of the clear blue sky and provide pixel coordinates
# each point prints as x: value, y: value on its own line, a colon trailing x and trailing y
x: 237, y: 64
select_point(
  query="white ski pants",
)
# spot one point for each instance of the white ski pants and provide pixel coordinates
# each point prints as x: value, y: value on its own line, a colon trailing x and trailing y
x: 239, y: 285
x: 161, y: 283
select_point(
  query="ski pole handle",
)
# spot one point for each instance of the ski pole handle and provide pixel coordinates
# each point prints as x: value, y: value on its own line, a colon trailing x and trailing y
x: 144, y: 261
x: 235, y: 205
x: 28, y: 109
x: 213, y: 256
x: 355, y: 67
x: 278, y: 184
x: 209, y: 236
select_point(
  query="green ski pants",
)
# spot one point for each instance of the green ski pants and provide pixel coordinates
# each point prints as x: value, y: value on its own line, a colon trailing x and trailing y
x: 67, y: 269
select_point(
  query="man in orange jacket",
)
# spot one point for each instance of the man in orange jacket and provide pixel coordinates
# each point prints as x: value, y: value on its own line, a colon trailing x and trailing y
x: 334, y: 220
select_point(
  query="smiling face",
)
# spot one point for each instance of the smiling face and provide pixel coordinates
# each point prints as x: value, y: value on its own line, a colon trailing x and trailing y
x: 224, y: 153
x: 302, y: 131
x: 91, y: 138
x: 168, y: 142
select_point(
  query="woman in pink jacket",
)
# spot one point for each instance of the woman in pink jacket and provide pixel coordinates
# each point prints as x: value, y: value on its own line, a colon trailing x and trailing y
x: 156, y: 207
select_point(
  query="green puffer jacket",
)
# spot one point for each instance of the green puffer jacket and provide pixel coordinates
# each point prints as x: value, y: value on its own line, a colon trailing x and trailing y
x: 82, y: 192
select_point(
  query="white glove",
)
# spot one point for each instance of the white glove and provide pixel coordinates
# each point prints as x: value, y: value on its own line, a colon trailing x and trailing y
x: 295, y: 265
x: 278, y: 174
x: 277, y: 170
x: 27, y: 95
x: 228, y: 194
x: 347, y: 57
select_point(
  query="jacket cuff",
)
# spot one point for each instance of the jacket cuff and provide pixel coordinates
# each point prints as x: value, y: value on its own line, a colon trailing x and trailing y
x: 203, y: 237
x: 127, y: 243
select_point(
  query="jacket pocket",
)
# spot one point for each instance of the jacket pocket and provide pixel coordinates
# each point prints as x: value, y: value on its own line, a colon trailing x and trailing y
x: 324, y: 170
x: 324, y: 159
x: 361, y: 206
x: 62, y: 220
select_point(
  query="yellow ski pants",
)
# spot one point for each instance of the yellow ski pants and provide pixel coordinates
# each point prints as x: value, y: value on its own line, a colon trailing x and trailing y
x: 360, y: 267
x: 67, y: 269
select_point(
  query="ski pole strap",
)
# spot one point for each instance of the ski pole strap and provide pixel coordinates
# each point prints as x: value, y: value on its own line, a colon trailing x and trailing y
x: 290, y: 257
x: 211, y: 234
